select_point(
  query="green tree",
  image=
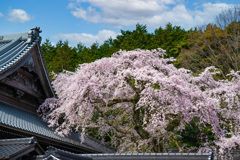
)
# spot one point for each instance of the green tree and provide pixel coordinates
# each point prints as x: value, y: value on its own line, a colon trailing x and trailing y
x: 64, y: 57
x: 172, y: 39
x: 130, y: 40
x: 49, y: 52
x: 213, y: 46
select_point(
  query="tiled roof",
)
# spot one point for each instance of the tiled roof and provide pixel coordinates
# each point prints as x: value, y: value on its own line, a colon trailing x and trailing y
x: 15, y: 148
x: 14, y: 47
x: 52, y: 153
x: 63, y: 155
x: 151, y: 156
x: 19, y: 119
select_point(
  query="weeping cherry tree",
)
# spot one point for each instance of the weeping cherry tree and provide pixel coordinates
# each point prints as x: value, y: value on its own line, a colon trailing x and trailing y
x: 142, y: 101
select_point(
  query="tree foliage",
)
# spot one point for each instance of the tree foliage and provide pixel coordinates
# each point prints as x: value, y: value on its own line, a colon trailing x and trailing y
x: 63, y: 57
x: 215, y: 44
x: 142, y: 103
x: 172, y: 39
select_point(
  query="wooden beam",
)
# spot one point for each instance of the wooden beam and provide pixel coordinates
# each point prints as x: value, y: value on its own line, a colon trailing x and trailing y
x: 18, y: 104
x: 23, y: 88
x: 38, y: 62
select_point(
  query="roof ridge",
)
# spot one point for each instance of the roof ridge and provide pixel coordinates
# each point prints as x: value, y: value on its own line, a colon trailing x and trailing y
x: 28, y: 140
x: 12, y: 36
x: 7, y: 46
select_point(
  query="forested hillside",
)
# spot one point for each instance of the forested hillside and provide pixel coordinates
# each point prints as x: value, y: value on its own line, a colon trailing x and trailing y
x: 213, y: 44
x: 195, y: 49
x: 63, y: 57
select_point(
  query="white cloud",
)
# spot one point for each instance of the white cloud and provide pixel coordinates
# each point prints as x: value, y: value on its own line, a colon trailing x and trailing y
x: 84, y: 14
x: 86, y: 39
x: 209, y: 12
x: 53, y: 44
x: 1, y: 15
x: 119, y: 12
x: 18, y: 15
x: 153, y: 13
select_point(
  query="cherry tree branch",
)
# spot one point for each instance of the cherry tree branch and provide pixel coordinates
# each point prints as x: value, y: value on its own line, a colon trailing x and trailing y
x: 117, y: 127
x: 177, y: 143
x: 136, y: 112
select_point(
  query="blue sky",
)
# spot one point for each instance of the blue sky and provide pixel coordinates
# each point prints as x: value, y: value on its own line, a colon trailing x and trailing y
x: 89, y: 21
